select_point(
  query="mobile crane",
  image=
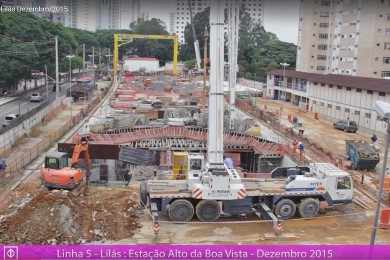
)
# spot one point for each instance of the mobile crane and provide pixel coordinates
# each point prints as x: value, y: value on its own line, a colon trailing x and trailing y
x: 211, y: 189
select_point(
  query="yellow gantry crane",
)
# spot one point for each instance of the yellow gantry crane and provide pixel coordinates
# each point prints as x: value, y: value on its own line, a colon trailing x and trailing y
x: 123, y: 38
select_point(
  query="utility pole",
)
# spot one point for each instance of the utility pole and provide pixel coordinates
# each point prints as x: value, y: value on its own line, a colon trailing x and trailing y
x: 83, y: 57
x: 93, y: 56
x: 205, y: 59
x: 57, y: 70
x: 100, y: 57
x: 233, y: 22
x: 46, y: 83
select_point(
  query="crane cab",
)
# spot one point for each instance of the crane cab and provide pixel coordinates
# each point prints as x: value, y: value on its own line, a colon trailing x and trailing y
x: 184, y: 164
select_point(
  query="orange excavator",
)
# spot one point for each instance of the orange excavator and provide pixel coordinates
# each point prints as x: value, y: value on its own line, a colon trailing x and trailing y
x: 56, y: 173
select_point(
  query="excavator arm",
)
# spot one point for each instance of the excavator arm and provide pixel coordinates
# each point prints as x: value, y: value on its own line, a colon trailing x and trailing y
x: 81, y: 147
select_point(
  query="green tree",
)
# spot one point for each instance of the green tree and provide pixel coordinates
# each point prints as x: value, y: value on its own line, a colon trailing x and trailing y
x: 258, y: 51
x: 160, y: 49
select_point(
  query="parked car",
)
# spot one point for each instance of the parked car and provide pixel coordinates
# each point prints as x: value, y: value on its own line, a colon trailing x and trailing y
x: 9, y: 119
x: 36, y: 97
x: 347, y: 126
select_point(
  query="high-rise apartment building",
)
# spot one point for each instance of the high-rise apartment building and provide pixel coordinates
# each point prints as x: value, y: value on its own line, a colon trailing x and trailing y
x: 182, y: 18
x: 349, y: 37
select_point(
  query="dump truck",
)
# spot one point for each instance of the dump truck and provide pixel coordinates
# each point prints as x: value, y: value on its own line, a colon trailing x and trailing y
x: 362, y: 155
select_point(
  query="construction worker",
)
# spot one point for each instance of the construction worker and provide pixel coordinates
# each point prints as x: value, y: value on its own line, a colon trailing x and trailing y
x: 228, y: 162
x: 301, y: 148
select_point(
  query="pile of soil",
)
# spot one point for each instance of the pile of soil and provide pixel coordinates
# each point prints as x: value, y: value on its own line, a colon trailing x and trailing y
x: 62, y: 217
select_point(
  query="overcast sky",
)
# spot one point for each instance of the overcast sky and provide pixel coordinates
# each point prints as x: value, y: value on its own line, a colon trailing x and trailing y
x: 281, y: 17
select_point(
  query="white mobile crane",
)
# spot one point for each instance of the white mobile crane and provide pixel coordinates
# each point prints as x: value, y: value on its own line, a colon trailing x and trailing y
x: 210, y: 189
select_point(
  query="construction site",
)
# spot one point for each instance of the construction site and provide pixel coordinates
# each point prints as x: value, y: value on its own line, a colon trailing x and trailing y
x: 167, y: 157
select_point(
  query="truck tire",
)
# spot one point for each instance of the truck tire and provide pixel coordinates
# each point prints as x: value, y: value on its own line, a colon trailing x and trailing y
x: 285, y: 209
x: 181, y: 210
x: 208, y: 210
x: 309, y: 208
x: 143, y: 194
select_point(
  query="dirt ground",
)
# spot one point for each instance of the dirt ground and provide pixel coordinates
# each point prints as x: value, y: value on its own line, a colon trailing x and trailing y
x: 61, y: 217
x: 352, y: 228
x: 319, y: 131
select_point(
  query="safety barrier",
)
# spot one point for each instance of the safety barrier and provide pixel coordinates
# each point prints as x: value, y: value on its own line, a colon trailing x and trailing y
x: 24, y: 127
x: 15, y: 165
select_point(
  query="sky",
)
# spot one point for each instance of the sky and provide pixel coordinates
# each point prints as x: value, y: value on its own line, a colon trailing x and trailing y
x: 281, y: 17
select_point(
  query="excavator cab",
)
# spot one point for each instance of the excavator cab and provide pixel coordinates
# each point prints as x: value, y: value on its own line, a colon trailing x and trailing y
x: 56, y: 160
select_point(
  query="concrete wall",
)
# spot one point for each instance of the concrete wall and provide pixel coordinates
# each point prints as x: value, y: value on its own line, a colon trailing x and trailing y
x: 8, y: 139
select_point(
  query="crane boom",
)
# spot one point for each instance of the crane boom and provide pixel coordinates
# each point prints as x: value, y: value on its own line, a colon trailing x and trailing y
x: 216, y: 98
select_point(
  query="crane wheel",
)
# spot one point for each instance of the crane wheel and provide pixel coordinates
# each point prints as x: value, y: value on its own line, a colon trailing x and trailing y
x: 285, y: 209
x: 181, y: 210
x: 208, y: 210
x: 309, y: 207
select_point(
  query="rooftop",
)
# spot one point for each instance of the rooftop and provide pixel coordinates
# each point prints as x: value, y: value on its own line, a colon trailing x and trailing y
x: 143, y: 58
x: 380, y: 85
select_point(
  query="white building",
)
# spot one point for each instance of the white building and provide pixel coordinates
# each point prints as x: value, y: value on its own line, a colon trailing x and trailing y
x: 332, y: 96
x: 141, y: 64
x: 350, y: 37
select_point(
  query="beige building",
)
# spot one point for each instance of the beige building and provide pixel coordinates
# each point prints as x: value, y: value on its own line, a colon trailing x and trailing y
x: 349, y: 37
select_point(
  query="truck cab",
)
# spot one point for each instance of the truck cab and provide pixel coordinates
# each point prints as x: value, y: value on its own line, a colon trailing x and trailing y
x: 337, y: 183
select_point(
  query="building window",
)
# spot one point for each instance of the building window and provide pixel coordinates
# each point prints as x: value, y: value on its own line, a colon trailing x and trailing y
x: 314, y: 102
x: 368, y: 115
x: 324, y: 25
x: 324, y: 14
x: 357, y: 113
x: 347, y: 110
x: 325, y: 3
x: 323, y: 36
x: 348, y: 89
x: 322, y: 104
x: 322, y: 47
x: 338, y: 108
x: 386, y: 74
x: 369, y: 92
x: 386, y: 60
x: 387, y: 32
x: 339, y: 87
x: 321, y: 68
x: 382, y: 94
x: 386, y: 45
x: 359, y: 90
x: 329, y: 106
x: 321, y: 57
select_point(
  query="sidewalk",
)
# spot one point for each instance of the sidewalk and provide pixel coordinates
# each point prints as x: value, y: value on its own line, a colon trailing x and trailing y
x: 43, y: 136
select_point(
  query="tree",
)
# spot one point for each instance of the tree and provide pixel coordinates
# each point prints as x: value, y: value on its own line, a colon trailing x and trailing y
x: 258, y: 51
x: 161, y: 49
